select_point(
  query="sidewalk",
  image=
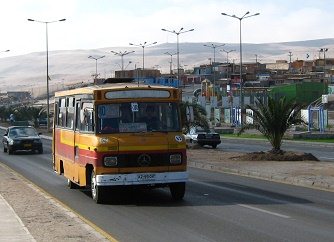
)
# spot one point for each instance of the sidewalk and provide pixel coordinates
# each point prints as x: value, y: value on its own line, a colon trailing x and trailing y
x: 29, y: 214
x: 12, y: 228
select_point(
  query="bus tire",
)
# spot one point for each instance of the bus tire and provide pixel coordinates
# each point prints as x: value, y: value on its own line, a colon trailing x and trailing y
x: 97, y: 191
x: 71, y: 185
x: 177, y: 190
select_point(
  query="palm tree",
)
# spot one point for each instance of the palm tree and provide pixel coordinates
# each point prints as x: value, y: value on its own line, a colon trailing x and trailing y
x: 274, y: 119
x: 199, y: 117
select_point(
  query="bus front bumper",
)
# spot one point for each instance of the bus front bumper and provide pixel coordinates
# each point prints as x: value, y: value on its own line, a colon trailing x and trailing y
x: 141, y: 178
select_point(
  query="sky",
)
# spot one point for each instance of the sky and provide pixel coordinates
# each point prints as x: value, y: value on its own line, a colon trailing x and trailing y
x: 93, y: 24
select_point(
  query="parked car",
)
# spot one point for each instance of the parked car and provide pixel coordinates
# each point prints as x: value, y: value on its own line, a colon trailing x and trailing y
x: 25, y: 138
x: 203, y: 137
x: 42, y: 121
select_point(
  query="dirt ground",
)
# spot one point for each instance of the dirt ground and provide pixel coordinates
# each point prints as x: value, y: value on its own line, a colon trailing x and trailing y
x: 309, y: 172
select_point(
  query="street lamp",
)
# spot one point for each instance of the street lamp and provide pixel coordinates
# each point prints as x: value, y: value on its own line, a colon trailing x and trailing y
x: 241, y: 83
x: 324, y: 50
x: 47, y: 66
x: 96, y: 58
x: 213, y: 64
x: 227, y: 52
x: 171, y: 61
x: 4, y: 51
x: 145, y: 44
x: 122, y: 54
x: 181, y: 31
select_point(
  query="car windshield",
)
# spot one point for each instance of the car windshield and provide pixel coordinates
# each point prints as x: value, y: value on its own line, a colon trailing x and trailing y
x: 137, y: 117
x: 22, y: 131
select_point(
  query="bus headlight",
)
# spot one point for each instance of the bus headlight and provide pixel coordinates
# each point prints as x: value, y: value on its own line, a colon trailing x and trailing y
x: 175, y: 159
x: 110, y: 161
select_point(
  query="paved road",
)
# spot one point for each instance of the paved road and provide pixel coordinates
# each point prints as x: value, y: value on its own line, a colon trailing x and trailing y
x: 217, y: 207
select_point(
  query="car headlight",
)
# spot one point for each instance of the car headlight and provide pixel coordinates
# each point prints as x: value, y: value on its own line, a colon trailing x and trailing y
x: 110, y: 161
x: 175, y: 159
x: 12, y: 142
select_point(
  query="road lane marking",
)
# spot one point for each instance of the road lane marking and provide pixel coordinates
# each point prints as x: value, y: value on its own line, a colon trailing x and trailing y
x: 248, y: 194
x: 263, y: 211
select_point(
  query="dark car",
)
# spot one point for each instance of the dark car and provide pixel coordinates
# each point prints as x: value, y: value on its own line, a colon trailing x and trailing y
x: 203, y: 137
x: 42, y: 121
x: 22, y: 138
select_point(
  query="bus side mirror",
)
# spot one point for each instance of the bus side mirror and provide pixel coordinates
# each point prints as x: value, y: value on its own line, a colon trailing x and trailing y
x: 190, y: 113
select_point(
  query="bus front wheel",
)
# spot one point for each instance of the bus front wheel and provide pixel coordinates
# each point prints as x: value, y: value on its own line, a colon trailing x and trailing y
x: 97, y: 191
x: 177, y: 190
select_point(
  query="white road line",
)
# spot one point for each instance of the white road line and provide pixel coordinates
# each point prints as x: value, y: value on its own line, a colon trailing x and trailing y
x: 248, y: 194
x: 263, y: 211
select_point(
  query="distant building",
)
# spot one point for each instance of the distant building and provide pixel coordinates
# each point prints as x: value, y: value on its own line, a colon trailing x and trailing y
x: 19, y: 95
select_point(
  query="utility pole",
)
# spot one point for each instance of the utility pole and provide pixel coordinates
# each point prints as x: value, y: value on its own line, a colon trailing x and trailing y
x: 290, y: 55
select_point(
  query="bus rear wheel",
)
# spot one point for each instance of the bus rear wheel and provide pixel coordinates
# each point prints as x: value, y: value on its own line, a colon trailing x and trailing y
x: 97, y: 191
x: 177, y: 190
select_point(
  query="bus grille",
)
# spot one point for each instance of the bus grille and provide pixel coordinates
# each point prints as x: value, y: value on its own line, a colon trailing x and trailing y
x: 143, y: 160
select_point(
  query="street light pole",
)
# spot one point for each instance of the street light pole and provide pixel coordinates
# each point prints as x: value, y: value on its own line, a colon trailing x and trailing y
x: 181, y: 31
x: 96, y: 58
x: 47, y: 67
x: 324, y: 50
x: 213, y: 64
x: 122, y: 54
x: 171, y: 61
x: 143, y: 45
x: 241, y: 82
x: 227, y: 52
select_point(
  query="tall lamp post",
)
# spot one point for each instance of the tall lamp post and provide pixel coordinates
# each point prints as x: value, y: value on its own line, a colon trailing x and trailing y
x: 122, y: 54
x: 171, y: 61
x: 324, y: 50
x: 246, y: 15
x: 96, y: 58
x: 143, y: 45
x: 47, y: 66
x: 213, y: 64
x: 227, y: 52
x: 181, y: 31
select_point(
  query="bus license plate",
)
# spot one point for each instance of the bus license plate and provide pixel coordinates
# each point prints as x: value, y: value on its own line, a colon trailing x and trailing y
x: 146, y: 177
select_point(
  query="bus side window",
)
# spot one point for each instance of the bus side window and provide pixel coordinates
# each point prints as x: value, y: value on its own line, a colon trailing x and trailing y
x: 62, y: 112
x: 77, y: 116
x: 70, y: 112
x: 86, y: 118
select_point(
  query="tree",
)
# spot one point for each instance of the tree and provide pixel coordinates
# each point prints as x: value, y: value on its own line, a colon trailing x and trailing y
x: 274, y: 119
x: 199, y: 117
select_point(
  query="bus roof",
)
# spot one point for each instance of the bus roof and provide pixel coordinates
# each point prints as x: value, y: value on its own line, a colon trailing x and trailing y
x: 113, y: 86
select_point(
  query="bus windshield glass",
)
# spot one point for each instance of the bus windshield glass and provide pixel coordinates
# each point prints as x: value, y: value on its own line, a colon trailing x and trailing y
x: 137, y: 117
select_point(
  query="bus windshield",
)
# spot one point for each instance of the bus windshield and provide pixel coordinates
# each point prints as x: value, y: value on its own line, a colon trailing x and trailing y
x: 137, y: 117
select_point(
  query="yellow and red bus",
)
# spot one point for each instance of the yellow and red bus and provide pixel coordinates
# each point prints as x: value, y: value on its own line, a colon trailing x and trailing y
x: 104, y: 136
